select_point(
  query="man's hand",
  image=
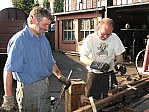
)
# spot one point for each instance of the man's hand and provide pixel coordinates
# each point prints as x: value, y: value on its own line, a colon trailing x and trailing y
x: 120, y: 68
x: 103, y: 67
x: 8, y: 104
x: 65, y: 81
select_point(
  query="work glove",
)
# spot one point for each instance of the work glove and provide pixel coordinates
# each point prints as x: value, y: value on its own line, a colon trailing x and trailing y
x: 103, y: 67
x: 8, y: 104
x: 120, y: 68
x: 65, y: 81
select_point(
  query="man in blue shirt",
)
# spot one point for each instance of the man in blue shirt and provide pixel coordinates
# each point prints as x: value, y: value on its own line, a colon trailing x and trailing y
x: 30, y: 62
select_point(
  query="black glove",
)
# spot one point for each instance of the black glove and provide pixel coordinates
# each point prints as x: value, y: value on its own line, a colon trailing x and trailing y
x: 120, y: 68
x: 103, y: 67
x: 8, y: 104
x: 65, y: 81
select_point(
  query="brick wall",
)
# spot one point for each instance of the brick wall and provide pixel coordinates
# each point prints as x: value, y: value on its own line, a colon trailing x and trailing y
x: 73, y: 5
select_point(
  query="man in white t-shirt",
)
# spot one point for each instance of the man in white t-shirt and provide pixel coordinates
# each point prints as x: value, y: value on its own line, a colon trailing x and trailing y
x: 102, y: 52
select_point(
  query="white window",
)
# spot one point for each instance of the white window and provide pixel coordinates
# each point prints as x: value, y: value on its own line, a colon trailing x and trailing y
x: 124, y: 1
x: 129, y: 1
x: 119, y: 2
x: 84, y: 4
x: 68, y: 30
x: 81, y: 4
x: 77, y: 5
x: 67, y: 5
x: 87, y: 27
x: 91, y: 3
x: 100, y: 3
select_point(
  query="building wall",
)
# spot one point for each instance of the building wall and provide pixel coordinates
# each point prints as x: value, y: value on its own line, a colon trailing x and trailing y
x: 73, y: 6
x: 90, y: 4
x: 62, y: 45
x: 71, y: 45
x: 97, y: 15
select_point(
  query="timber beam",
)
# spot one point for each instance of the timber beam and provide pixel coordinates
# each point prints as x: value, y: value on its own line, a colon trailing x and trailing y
x: 120, y: 99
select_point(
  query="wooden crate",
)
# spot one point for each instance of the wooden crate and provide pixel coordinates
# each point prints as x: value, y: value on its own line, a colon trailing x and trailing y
x: 73, y: 95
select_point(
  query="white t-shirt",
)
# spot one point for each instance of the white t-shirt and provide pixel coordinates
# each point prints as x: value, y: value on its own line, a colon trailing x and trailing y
x: 102, y: 51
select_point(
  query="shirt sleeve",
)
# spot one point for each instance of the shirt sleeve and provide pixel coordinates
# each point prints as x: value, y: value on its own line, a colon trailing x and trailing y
x: 52, y: 60
x: 86, y: 47
x: 119, y: 47
x: 14, y: 62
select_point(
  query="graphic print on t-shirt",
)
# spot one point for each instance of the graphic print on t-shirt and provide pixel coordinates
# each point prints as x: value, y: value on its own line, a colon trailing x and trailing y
x: 102, y: 49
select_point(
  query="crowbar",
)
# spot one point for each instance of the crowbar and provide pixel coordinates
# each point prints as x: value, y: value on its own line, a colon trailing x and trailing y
x: 62, y: 92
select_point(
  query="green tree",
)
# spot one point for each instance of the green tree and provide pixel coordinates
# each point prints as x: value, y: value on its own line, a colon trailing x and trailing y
x: 46, y: 4
x: 36, y: 3
x: 25, y: 5
x: 58, y: 6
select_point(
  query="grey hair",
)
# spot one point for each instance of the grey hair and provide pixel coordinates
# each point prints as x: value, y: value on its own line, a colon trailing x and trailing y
x: 107, y: 21
x: 39, y: 13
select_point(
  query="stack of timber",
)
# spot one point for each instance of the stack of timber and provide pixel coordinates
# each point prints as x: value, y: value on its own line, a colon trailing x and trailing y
x: 120, y: 98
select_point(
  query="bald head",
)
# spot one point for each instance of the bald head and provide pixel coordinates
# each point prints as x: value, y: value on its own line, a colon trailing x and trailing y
x: 107, y: 21
x: 105, y: 28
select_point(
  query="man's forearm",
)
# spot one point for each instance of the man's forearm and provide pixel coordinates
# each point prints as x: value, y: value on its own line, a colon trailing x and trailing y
x: 7, y: 79
x: 119, y: 58
x: 56, y: 71
x: 86, y: 60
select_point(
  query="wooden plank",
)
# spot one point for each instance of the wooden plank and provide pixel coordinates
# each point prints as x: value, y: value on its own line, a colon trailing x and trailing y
x: 5, y: 37
x: 122, y: 87
x: 10, y: 30
x: 3, y: 44
x: 92, y: 104
x: 118, y: 98
x: 73, y: 95
x: 3, y: 50
x: 11, y: 23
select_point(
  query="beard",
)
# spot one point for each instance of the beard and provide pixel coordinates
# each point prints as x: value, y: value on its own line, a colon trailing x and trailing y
x: 40, y: 32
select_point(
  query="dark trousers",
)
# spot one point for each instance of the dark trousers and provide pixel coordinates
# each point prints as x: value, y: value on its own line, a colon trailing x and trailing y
x: 97, y: 85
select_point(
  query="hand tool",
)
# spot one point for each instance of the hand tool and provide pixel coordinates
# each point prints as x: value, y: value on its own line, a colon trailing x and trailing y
x: 62, y: 92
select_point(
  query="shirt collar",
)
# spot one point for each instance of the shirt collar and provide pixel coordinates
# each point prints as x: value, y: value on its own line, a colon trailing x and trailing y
x: 30, y: 35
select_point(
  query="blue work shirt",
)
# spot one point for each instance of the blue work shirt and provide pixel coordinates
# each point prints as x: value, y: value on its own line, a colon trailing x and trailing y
x: 29, y: 59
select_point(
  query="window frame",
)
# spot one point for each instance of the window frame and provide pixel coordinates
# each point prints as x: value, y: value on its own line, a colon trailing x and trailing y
x: 86, y: 27
x: 68, y: 30
x: 67, y: 5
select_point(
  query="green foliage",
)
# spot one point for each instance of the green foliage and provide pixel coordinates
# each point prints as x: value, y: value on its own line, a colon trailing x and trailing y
x: 36, y: 3
x: 46, y: 4
x: 58, y: 6
x: 25, y: 5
